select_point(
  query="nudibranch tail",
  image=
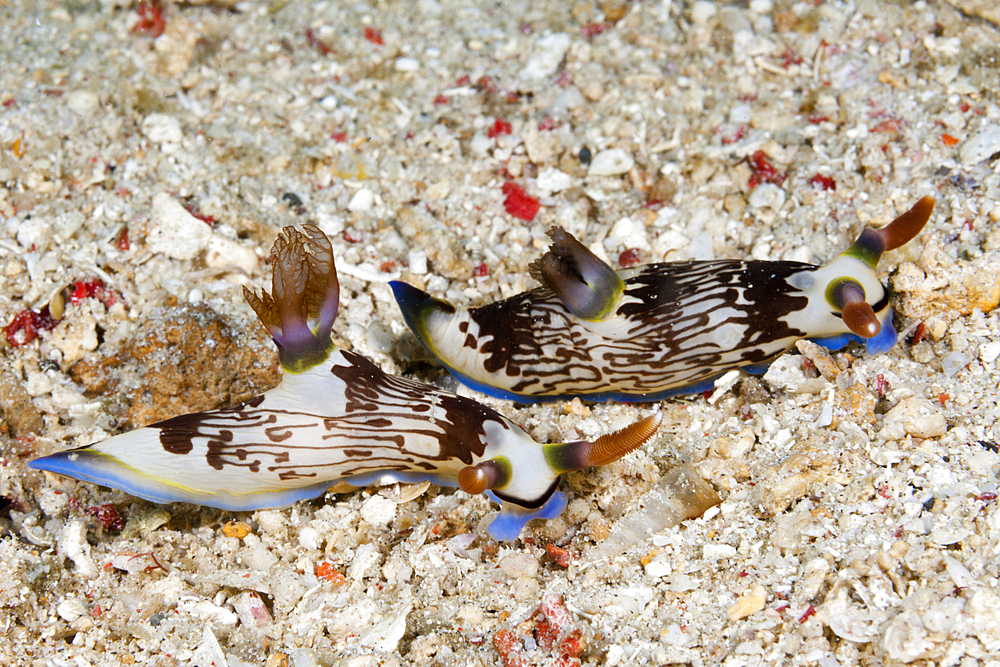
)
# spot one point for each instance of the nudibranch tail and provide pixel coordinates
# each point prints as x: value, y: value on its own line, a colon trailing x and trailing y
x: 306, y: 296
x: 587, y: 285
x: 136, y: 463
x: 605, y: 449
x: 422, y: 312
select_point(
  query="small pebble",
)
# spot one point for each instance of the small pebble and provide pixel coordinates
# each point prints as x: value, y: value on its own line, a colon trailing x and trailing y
x: 378, y: 510
x: 659, y: 566
x: 418, y: 262
x: 407, y: 64
x: 71, y: 609
x: 256, y: 555
x: 83, y: 102
x: 767, y: 195
x: 571, y: 98
x: 72, y: 542
x: 702, y: 11
x: 749, y: 604
x: 251, y: 609
x: 365, y: 561
x: 553, y: 180
x: 362, y: 200
x: 627, y: 233
x: 741, y: 114
x: 610, y: 162
x: 516, y: 565
x: 164, y: 130
x: 236, y: 529
x: 915, y: 417
x: 227, y: 253
x: 548, y: 53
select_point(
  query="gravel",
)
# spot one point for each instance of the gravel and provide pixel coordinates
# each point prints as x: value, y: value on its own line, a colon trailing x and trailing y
x: 840, y: 516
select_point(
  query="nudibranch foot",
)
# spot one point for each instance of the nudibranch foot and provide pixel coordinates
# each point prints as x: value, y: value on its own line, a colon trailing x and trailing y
x: 508, y: 525
x: 334, y: 419
x: 649, y: 332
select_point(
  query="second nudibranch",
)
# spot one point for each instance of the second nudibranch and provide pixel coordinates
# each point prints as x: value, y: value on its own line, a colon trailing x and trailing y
x: 650, y: 332
x: 336, y: 417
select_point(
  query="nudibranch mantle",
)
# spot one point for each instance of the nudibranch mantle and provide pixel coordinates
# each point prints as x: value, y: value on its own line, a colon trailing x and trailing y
x: 650, y: 332
x: 336, y: 417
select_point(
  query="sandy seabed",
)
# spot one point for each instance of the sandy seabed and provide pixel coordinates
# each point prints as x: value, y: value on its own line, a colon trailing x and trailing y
x: 148, y: 159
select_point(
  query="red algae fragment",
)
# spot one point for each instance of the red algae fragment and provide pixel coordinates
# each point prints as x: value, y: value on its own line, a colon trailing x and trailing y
x: 327, y: 572
x: 548, y: 123
x: 318, y: 43
x: 595, y: 29
x: 151, y: 21
x: 123, y: 242
x: 825, y: 182
x: 519, y: 203
x: 27, y: 324
x: 510, y: 649
x: 92, y: 288
x: 763, y: 170
x: 561, y: 556
x: 730, y: 135
x: 107, y: 515
x: 629, y: 258
x: 789, y: 58
x: 190, y: 208
x: 480, y: 270
x: 374, y: 35
x: 888, y: 125
x: 948, y: 140
x: 500, y: 126
x: 557, y: 631
x: 486, y: 84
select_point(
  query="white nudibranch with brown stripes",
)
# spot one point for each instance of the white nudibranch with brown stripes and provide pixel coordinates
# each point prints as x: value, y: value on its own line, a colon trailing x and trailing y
x: 337, y: 418
x: 650, y: 332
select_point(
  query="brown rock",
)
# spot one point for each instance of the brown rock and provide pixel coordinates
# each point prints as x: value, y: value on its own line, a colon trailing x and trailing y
x: 939, y: 285
x: 185, y: 359
x: 17, y: 412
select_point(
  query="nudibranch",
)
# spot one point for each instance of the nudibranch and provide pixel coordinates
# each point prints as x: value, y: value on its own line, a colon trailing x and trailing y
x: 649, y: 332
x: 336, y: 417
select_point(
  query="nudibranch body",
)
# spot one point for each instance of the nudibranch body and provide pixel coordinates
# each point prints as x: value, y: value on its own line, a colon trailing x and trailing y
x: 650, y: 332
x: 336, y: 417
